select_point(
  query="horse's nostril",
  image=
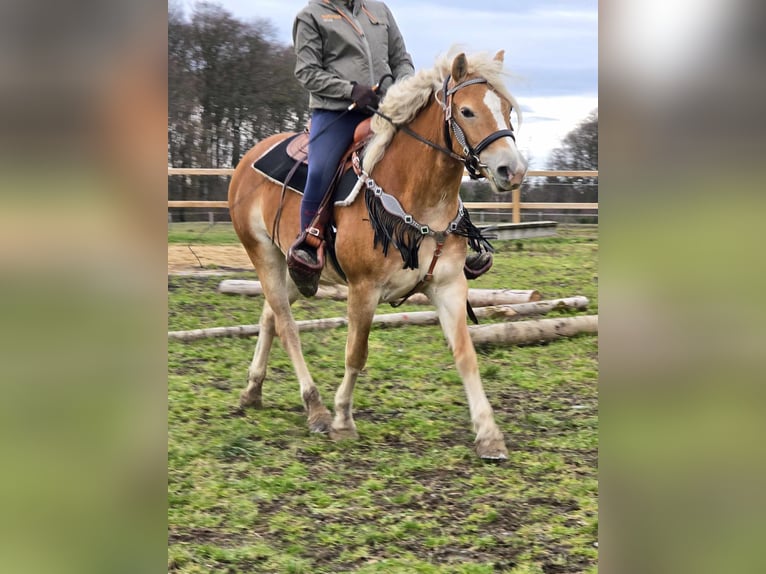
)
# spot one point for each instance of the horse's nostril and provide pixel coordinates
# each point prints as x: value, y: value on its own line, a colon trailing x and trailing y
x: 504, y: 172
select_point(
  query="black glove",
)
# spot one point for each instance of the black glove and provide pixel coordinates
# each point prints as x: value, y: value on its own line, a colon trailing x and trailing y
x: 364, y: 96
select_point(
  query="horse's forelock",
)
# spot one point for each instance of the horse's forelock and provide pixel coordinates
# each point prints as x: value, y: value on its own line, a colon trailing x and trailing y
x: 484, y: 65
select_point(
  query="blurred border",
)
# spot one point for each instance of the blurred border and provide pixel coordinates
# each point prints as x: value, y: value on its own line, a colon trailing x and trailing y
x: 681, y: 270
x: 83, y: 286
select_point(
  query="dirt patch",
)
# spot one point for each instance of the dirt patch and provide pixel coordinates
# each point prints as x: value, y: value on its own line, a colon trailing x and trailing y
x: 207, y: 259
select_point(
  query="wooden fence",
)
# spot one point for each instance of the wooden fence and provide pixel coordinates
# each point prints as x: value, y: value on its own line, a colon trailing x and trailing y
x: 515, y: 205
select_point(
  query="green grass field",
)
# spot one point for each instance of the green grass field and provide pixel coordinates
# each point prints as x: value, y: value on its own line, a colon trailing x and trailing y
x: 221, y: 233
x: 254, y: 491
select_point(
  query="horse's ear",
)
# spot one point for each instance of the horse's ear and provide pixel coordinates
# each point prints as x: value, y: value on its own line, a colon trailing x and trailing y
x: 500, y: 56
x: 459, y: 68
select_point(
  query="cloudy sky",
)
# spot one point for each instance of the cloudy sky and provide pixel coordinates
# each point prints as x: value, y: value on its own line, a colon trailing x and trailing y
x: 551, y: 49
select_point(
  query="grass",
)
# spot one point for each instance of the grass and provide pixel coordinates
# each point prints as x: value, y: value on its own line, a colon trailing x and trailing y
x: 221, y: 233
x: 255, y: 492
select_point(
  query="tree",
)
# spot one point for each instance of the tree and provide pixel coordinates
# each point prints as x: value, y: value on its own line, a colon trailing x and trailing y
x: 183, y: 125
x: 579, y: 148
x: 578, y: 152
x: 230, y: 84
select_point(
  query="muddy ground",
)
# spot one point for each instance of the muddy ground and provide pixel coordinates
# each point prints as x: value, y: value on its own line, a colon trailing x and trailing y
x: 190, y: 259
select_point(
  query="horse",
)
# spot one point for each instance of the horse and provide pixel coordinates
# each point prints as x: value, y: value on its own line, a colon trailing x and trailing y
x: 411, y: 179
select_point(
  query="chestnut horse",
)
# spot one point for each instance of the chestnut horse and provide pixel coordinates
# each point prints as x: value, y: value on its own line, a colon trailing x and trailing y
x: 411, y: 186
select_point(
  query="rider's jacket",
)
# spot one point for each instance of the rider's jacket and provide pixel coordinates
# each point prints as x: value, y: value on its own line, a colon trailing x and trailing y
x: 337, y: 45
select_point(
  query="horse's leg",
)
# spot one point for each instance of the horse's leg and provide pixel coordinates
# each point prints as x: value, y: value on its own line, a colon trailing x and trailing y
x: 361, y: 309
x: 450, y: 303
x: 251, y: 396
x: 279, y: 292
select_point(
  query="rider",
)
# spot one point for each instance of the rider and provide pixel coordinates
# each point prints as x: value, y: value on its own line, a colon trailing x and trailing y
x: 342, y: 48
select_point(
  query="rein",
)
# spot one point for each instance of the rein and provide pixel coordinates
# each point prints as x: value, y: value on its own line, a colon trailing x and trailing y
x: 420, y: 138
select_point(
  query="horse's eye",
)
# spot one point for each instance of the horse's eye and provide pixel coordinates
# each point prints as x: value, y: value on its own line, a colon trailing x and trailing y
x: 466, y: 112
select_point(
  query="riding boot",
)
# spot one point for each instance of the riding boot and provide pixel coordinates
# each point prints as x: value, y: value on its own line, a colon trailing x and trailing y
x: 477, y: 264
x: 305, y: 260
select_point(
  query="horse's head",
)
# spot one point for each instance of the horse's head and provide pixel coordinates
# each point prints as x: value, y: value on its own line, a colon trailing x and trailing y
x: 479, y: 118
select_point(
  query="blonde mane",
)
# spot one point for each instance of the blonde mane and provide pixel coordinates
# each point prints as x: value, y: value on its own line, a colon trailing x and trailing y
x: 407, y: 97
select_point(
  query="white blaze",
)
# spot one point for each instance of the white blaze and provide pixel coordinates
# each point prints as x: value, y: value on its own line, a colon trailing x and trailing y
x: 508, y: 155
x: 493, y: 102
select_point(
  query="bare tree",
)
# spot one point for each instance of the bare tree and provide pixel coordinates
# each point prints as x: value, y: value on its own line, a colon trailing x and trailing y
x: 579, y: 148
x: 230, y: 84
x: 578, y: 152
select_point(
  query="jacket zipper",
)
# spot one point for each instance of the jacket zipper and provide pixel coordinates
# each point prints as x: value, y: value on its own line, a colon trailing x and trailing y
x: 359, y: 30
x: 368, y: 50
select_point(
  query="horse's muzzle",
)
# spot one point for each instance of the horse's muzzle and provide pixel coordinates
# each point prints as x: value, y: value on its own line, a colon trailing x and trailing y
x: 506, y: 180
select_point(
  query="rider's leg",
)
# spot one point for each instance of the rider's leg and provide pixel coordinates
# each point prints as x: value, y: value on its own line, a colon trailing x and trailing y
x: 331, y: 134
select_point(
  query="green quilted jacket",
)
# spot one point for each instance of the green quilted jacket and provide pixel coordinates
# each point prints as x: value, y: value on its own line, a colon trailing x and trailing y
x: 336, y: 46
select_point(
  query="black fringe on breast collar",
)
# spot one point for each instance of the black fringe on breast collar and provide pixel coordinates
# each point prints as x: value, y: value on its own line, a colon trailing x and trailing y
x: 476, y: 239
x: 391, y: 229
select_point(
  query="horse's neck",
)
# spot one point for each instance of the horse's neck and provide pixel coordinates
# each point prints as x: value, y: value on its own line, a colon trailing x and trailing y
x: 425, y: 180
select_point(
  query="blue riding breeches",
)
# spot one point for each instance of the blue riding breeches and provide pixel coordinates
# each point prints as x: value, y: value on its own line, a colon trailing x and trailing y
x: 331, y: 134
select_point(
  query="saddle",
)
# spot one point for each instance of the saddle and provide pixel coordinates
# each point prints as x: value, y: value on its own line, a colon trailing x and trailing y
x: 287, y: 164
x: 298, y: 147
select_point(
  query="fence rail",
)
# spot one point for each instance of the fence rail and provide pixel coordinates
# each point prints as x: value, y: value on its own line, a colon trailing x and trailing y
x: 230, y: 171
x: 515, y: 205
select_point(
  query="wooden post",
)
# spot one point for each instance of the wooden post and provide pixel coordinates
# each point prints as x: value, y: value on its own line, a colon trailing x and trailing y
x: 516, y: 200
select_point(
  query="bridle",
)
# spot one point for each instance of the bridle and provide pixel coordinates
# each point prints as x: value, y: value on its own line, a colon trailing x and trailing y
x: 471, y: 154
x: 470, y: 157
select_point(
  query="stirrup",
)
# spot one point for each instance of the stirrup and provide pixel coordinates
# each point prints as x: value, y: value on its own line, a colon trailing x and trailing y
x: 304, y: 273
x: 477, y: 264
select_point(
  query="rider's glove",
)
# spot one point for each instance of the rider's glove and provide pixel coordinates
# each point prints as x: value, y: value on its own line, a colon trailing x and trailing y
x: 364, y: 96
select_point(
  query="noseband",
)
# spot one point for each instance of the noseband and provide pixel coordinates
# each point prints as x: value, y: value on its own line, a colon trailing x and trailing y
x: 471, y: 159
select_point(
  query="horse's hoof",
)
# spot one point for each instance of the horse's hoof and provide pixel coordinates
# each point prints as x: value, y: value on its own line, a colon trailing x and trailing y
x: 248, y: 402
x: 344, y: 434
x: 320, y: 423
x: 319, y: 427
x: 495, y: 459
x: 492, y: 450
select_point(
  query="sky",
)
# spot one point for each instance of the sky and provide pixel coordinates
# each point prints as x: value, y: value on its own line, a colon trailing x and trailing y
x: 551, y: 50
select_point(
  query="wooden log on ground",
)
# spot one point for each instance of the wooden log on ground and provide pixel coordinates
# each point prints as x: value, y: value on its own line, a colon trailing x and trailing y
x: 528, y: 332
x: 509, y: 312
x: 252, y: 330
x: 518, y: 310
x: 255, y: 289
x: 487, y: 297
x: 477, y: 297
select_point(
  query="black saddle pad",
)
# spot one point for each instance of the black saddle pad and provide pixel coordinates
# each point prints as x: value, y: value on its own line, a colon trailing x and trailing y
x: 277, y: 165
